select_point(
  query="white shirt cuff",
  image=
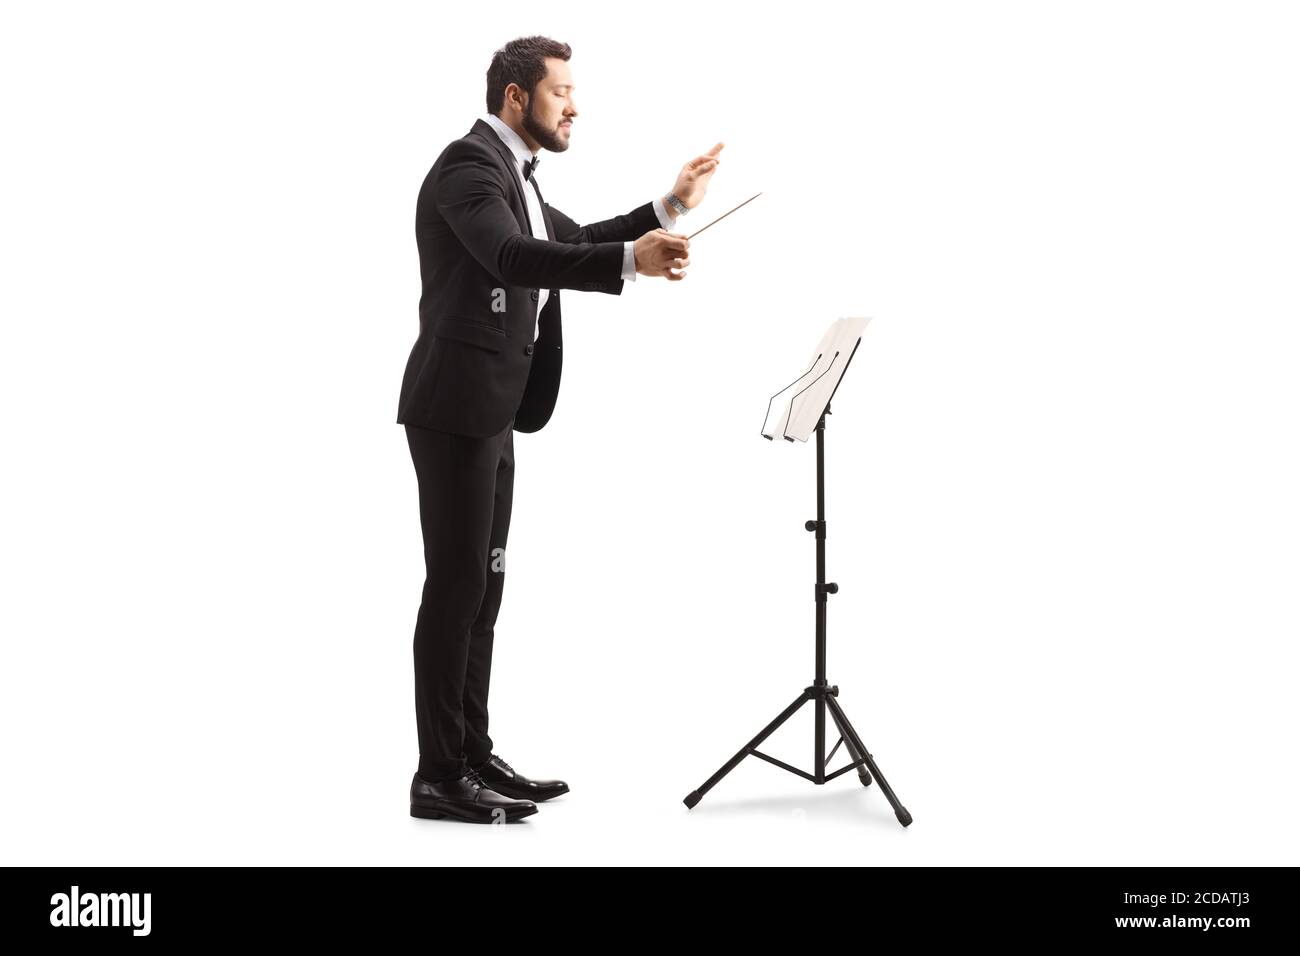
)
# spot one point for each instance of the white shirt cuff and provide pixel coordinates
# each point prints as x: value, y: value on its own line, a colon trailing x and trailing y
x: 661, y: 211
x: 629, y: 263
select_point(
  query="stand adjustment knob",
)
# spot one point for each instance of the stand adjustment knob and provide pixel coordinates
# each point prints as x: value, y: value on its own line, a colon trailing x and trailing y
x: 832, y: 589
x: 814, y: 525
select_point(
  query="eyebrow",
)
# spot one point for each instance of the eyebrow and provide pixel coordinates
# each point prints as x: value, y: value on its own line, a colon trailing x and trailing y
x: 565, y: 86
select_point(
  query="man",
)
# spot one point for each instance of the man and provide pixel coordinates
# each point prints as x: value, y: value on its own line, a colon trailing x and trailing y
x: 493, y: 259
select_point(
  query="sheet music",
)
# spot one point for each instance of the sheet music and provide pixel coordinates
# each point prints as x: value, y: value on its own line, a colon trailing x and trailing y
x: 793, y: 412
x: 778, y: 408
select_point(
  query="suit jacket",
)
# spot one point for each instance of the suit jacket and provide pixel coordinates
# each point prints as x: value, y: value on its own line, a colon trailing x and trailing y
x: 475, y: 363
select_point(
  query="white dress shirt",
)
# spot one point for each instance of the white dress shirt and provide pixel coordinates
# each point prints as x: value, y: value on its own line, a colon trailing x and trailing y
x: 537, y: 224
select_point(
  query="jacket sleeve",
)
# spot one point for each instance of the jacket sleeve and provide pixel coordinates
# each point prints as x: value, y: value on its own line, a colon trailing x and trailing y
x: 626, y: 228
x: 470, y: 194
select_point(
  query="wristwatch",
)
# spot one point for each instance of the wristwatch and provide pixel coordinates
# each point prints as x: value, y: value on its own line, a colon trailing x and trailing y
x: 676, y: 203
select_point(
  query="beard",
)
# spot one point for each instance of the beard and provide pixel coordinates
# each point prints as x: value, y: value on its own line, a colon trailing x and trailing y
x: 550, y: 139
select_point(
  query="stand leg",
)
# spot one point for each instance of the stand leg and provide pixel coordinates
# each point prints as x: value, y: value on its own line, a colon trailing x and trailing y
x: 692, y: 798
x: 819, y: 741
x: 854, y: 754
x: 851, y: 736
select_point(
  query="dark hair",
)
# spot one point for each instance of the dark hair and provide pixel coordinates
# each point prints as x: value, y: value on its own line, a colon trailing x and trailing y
x: 520, y: 61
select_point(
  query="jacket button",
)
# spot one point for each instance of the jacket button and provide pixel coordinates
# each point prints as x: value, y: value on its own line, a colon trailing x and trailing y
x: 528, y: 349
x: 534, y: 295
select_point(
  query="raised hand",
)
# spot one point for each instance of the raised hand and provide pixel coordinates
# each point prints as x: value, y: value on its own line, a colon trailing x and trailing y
x: 693, y: 180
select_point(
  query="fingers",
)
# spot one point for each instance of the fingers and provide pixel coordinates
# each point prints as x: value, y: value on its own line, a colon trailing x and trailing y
x: 676, y: 246
x: 710, y: 155
x: 670, y: 243
x: 709, y: 161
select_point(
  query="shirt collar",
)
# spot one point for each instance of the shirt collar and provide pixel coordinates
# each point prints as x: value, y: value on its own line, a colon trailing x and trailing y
x: 512, y: 139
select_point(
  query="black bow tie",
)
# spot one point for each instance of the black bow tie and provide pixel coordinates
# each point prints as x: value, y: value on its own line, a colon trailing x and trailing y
x: 529, y: 167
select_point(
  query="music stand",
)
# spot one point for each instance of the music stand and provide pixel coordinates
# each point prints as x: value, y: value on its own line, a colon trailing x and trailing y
x: 793, y: 413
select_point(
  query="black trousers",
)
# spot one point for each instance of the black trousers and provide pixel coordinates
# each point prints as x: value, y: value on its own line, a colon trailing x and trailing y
x: 466, y: 488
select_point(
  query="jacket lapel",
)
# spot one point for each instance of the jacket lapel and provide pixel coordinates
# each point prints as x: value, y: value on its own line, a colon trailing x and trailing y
x: 546, y: 214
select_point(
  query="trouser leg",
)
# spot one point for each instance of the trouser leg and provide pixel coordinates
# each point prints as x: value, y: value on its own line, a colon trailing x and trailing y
x: 478, y: 745
x: 457, y: 478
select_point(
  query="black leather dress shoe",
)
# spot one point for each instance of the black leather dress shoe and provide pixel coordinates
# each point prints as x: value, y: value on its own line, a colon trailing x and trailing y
x: 503, y: 778
x: 465, y: 798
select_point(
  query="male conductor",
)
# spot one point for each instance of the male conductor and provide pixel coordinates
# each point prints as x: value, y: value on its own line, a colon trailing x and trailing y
x: 493, y: 259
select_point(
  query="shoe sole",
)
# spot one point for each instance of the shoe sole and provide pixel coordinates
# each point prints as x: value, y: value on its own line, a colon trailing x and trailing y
x: 429, y: 813
x: 532, y: 796
x: 550, y: 797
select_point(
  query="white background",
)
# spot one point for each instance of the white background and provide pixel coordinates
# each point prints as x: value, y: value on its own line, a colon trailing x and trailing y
x: 1062, y: 471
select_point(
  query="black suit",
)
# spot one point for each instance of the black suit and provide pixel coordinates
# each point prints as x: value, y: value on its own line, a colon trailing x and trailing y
x: 474, y: 377
x: 473, y: 367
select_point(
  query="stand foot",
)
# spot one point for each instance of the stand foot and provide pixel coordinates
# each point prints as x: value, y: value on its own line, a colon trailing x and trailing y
x: 692, y: 799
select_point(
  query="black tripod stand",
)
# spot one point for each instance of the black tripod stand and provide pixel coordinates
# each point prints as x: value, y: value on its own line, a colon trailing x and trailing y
x: 820, y: 693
